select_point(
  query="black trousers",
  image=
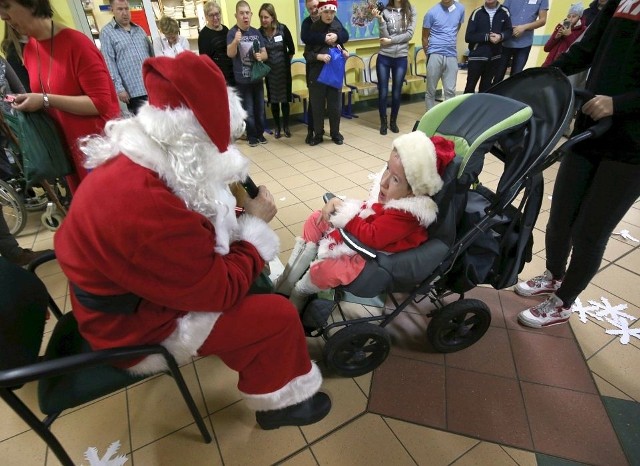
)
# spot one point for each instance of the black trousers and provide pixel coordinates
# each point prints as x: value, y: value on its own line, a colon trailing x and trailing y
x: 321, y: 95
x: 590, y: 197
x: 483, y: 71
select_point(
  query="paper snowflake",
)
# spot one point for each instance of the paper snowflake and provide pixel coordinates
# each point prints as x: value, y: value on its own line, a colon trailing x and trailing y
x: 626, y: 235
x: 623, y: 330
x: 584, y: 312
x: 608, y: 311
x: 91, y: 455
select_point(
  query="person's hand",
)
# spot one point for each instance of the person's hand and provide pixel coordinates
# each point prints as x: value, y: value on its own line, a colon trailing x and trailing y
x: 262, y: 206
x: 518, y: 30
x: 494, y: 37
x: 376, y: 13
x: 331, y: 38
x: 600, y: 106
x: 238, y: 36
x: 123, y: 96
x: 257, y: 56
x: 323, y: 57
x: 30, y: 102
x: 328, y: 210
x: 385, y: 41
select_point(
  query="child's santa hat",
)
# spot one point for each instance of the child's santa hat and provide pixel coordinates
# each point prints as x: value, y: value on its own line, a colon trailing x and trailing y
x: 327, y: 5
x: 424, y: 160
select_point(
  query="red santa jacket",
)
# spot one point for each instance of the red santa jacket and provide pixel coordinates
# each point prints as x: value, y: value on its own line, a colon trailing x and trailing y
x: 128, y: 233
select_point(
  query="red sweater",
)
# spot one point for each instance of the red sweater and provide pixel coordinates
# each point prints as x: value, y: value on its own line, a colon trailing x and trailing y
x: 558, y: 45
x: 77, y: 68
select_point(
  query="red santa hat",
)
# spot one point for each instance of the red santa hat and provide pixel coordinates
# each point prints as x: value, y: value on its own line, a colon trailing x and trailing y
x: 424, y: 160
x: 194, y: 82
x: 327, y: 5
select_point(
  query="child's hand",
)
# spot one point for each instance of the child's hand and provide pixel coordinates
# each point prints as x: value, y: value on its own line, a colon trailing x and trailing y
x: 328, y: 210
x: 323, y: 57
x: 345, y: 54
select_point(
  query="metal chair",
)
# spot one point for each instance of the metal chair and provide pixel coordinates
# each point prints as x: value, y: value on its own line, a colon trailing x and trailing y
x: 70, y: 373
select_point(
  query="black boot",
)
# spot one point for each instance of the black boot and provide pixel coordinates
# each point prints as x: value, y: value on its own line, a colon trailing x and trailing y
x: 277, y: 134
x: 383, y: 125
x: 302, y: 414
x: 309, y: 137
x: 393, y: 126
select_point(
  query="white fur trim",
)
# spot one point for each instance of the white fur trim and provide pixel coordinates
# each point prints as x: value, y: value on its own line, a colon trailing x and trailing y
x: 345, y: 212
x: 421, y: 207
x: 296, y: 391
x: 237, y: 113
x: 190, y: 333
x: 328, y: 248
x: 418, y: 156
x: 257, y: 232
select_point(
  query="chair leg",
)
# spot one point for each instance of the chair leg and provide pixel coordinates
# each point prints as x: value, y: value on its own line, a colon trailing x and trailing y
x: 39, y: 428
x: 186, y: 394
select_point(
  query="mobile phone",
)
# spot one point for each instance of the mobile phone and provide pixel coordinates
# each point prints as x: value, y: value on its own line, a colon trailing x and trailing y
x: 250, y: 187
x: 327, y: 197
x: 379, y: 6
x: 256, y: 46
x: 9, y: 98
x: 566, y: 24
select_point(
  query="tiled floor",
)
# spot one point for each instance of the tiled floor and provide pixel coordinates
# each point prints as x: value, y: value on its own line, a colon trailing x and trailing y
x: 497, y: 397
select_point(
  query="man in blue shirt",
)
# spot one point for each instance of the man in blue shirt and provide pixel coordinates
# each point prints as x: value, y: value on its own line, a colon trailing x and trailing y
x: 439, y: 39
x: 526, y: 15
x: 125, y: 47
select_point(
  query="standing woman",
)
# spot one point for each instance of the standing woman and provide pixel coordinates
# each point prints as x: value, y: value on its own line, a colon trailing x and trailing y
x: 280, y: 48
x: 68, y: 76
x: 212, y: 41
x: 397, y: 23
x: 171, y: 43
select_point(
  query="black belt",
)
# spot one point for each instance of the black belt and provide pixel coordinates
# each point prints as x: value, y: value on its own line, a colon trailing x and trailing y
x: 126, y: 303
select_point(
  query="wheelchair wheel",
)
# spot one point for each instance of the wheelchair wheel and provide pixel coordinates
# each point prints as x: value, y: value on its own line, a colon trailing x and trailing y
x: 51, y: 221
x: 357, y: 349
x: 458, y: 325
x: 13, y: 209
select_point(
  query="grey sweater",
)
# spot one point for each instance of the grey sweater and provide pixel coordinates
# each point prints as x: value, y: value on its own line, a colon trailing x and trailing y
x: 393, y: 27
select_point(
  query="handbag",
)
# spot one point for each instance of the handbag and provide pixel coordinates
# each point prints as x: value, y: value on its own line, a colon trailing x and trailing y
x: 44, y: 155
x: 332, y: 73
x: 259, y: 70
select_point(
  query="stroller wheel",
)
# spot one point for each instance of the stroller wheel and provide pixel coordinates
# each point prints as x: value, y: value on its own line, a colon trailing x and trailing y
x: 458, y: 325
x: 357, y: 349
x: 51, y: 222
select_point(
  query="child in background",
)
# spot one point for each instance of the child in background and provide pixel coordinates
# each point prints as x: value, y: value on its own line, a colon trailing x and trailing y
x: 394, y: 219
x: 565, y: 33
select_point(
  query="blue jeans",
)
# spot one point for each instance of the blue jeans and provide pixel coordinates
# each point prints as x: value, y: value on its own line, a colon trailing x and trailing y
x: 397, y: 69
x: 520, y: 57
x: 252, y: 95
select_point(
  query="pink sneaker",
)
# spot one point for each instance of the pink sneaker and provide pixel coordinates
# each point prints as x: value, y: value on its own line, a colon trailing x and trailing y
x: 540, y: 285
x: 550, y: 312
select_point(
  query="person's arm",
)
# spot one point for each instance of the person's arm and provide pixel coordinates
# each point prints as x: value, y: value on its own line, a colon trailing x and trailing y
x: 202, y: 43
x: 109, y: 53
x: 343, y: 34
x: 426, y: 32
x: 507, y: 26
x: 472, y: 36
x: 382, y: 232
x: 539, y: 22
x: 288, y: 42
x: 310, y: 37
x: 233, y: 41
x: 407, y: 35
x: 184, y: 43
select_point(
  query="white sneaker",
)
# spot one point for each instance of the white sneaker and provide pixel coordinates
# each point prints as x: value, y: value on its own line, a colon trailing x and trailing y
x: 537, y: 286
x: 550, y: 312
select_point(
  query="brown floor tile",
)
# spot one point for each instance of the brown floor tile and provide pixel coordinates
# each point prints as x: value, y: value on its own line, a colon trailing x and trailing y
x: 512, y: 304
x: 399, y: 380
x: 486, y: 407
x: 491, y: 298
x: 571, y: 425
x: 490, y: 355
x: 549, y: 360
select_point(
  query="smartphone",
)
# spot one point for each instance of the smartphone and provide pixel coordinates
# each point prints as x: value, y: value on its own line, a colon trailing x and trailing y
x: 256, y: 46
x: 566, y: 24
x: 250, y: 187
x: 380, y: 6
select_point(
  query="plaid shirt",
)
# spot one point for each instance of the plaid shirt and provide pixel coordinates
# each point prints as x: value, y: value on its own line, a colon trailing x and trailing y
x: 124, y: 51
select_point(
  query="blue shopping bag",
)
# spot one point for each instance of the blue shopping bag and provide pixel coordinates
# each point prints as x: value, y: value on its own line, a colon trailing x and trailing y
x: 332, y: 73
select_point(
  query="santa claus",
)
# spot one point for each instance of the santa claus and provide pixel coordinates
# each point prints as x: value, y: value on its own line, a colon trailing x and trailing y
x: 154, y: 251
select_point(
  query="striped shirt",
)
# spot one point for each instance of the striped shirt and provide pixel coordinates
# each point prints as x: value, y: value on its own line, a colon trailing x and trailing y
x: 124, y: 51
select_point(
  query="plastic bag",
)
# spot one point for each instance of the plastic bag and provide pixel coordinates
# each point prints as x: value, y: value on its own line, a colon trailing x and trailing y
x: 259, y: 70
x: 332, y: 73
x: 44, y: 155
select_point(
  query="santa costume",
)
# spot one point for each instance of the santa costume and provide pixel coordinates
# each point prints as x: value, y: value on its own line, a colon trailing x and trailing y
x: 154, y: 252
x: 394, y: 226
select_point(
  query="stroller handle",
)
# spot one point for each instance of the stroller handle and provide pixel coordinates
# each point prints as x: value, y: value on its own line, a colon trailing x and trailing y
x: 601, y: 126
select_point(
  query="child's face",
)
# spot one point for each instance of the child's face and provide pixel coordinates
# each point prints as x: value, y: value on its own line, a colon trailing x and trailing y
x: 394, y: 184
x: 243, y: 17
x: 327, y: 16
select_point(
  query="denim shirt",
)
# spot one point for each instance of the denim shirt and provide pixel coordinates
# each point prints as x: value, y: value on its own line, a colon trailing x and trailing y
x: 523, y: 12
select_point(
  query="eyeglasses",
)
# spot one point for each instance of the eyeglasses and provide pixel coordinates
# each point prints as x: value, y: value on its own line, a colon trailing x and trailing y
x: 213, y: 15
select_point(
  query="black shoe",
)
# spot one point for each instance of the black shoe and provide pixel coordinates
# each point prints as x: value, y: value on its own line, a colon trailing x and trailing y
x: 393, y: 125
x: 309, y: 137
x: 276, y: 134
x: 307, y: 412
x: 316, y: 140
x: 383, y: 125
x: 262, y: 140
x: 287, y: 133
x: 338, y: 141
x: 26, y: 256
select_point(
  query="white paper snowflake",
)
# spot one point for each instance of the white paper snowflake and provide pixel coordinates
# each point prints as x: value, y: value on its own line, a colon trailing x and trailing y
x: 604, y: 311
x: 608, y: 311
x: 626, y: 235
x: 584, y: 312
x: 91, y: 455
x: 623, y: 330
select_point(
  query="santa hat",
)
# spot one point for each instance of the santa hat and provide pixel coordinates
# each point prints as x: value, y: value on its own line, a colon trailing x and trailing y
x: 328, y: 5
x: 424, y: 160
x: 193, y: 82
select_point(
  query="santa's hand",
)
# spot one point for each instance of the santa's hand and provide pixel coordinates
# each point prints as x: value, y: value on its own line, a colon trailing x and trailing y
x: 262, y: 206
x: 600, y: 106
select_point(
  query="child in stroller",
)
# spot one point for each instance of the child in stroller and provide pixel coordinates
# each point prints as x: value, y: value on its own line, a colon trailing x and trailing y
x: 394, y: 219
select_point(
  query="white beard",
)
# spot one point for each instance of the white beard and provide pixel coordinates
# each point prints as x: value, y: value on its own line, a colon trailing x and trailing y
x: 173, y: 144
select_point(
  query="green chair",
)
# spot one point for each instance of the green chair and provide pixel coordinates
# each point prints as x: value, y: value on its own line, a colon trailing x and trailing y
x: 70, y: 373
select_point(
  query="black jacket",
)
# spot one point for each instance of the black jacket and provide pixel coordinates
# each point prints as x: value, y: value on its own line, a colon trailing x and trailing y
x: 478, y: 29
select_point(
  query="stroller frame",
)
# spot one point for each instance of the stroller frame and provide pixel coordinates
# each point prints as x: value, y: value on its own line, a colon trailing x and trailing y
x: 480, y: 237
